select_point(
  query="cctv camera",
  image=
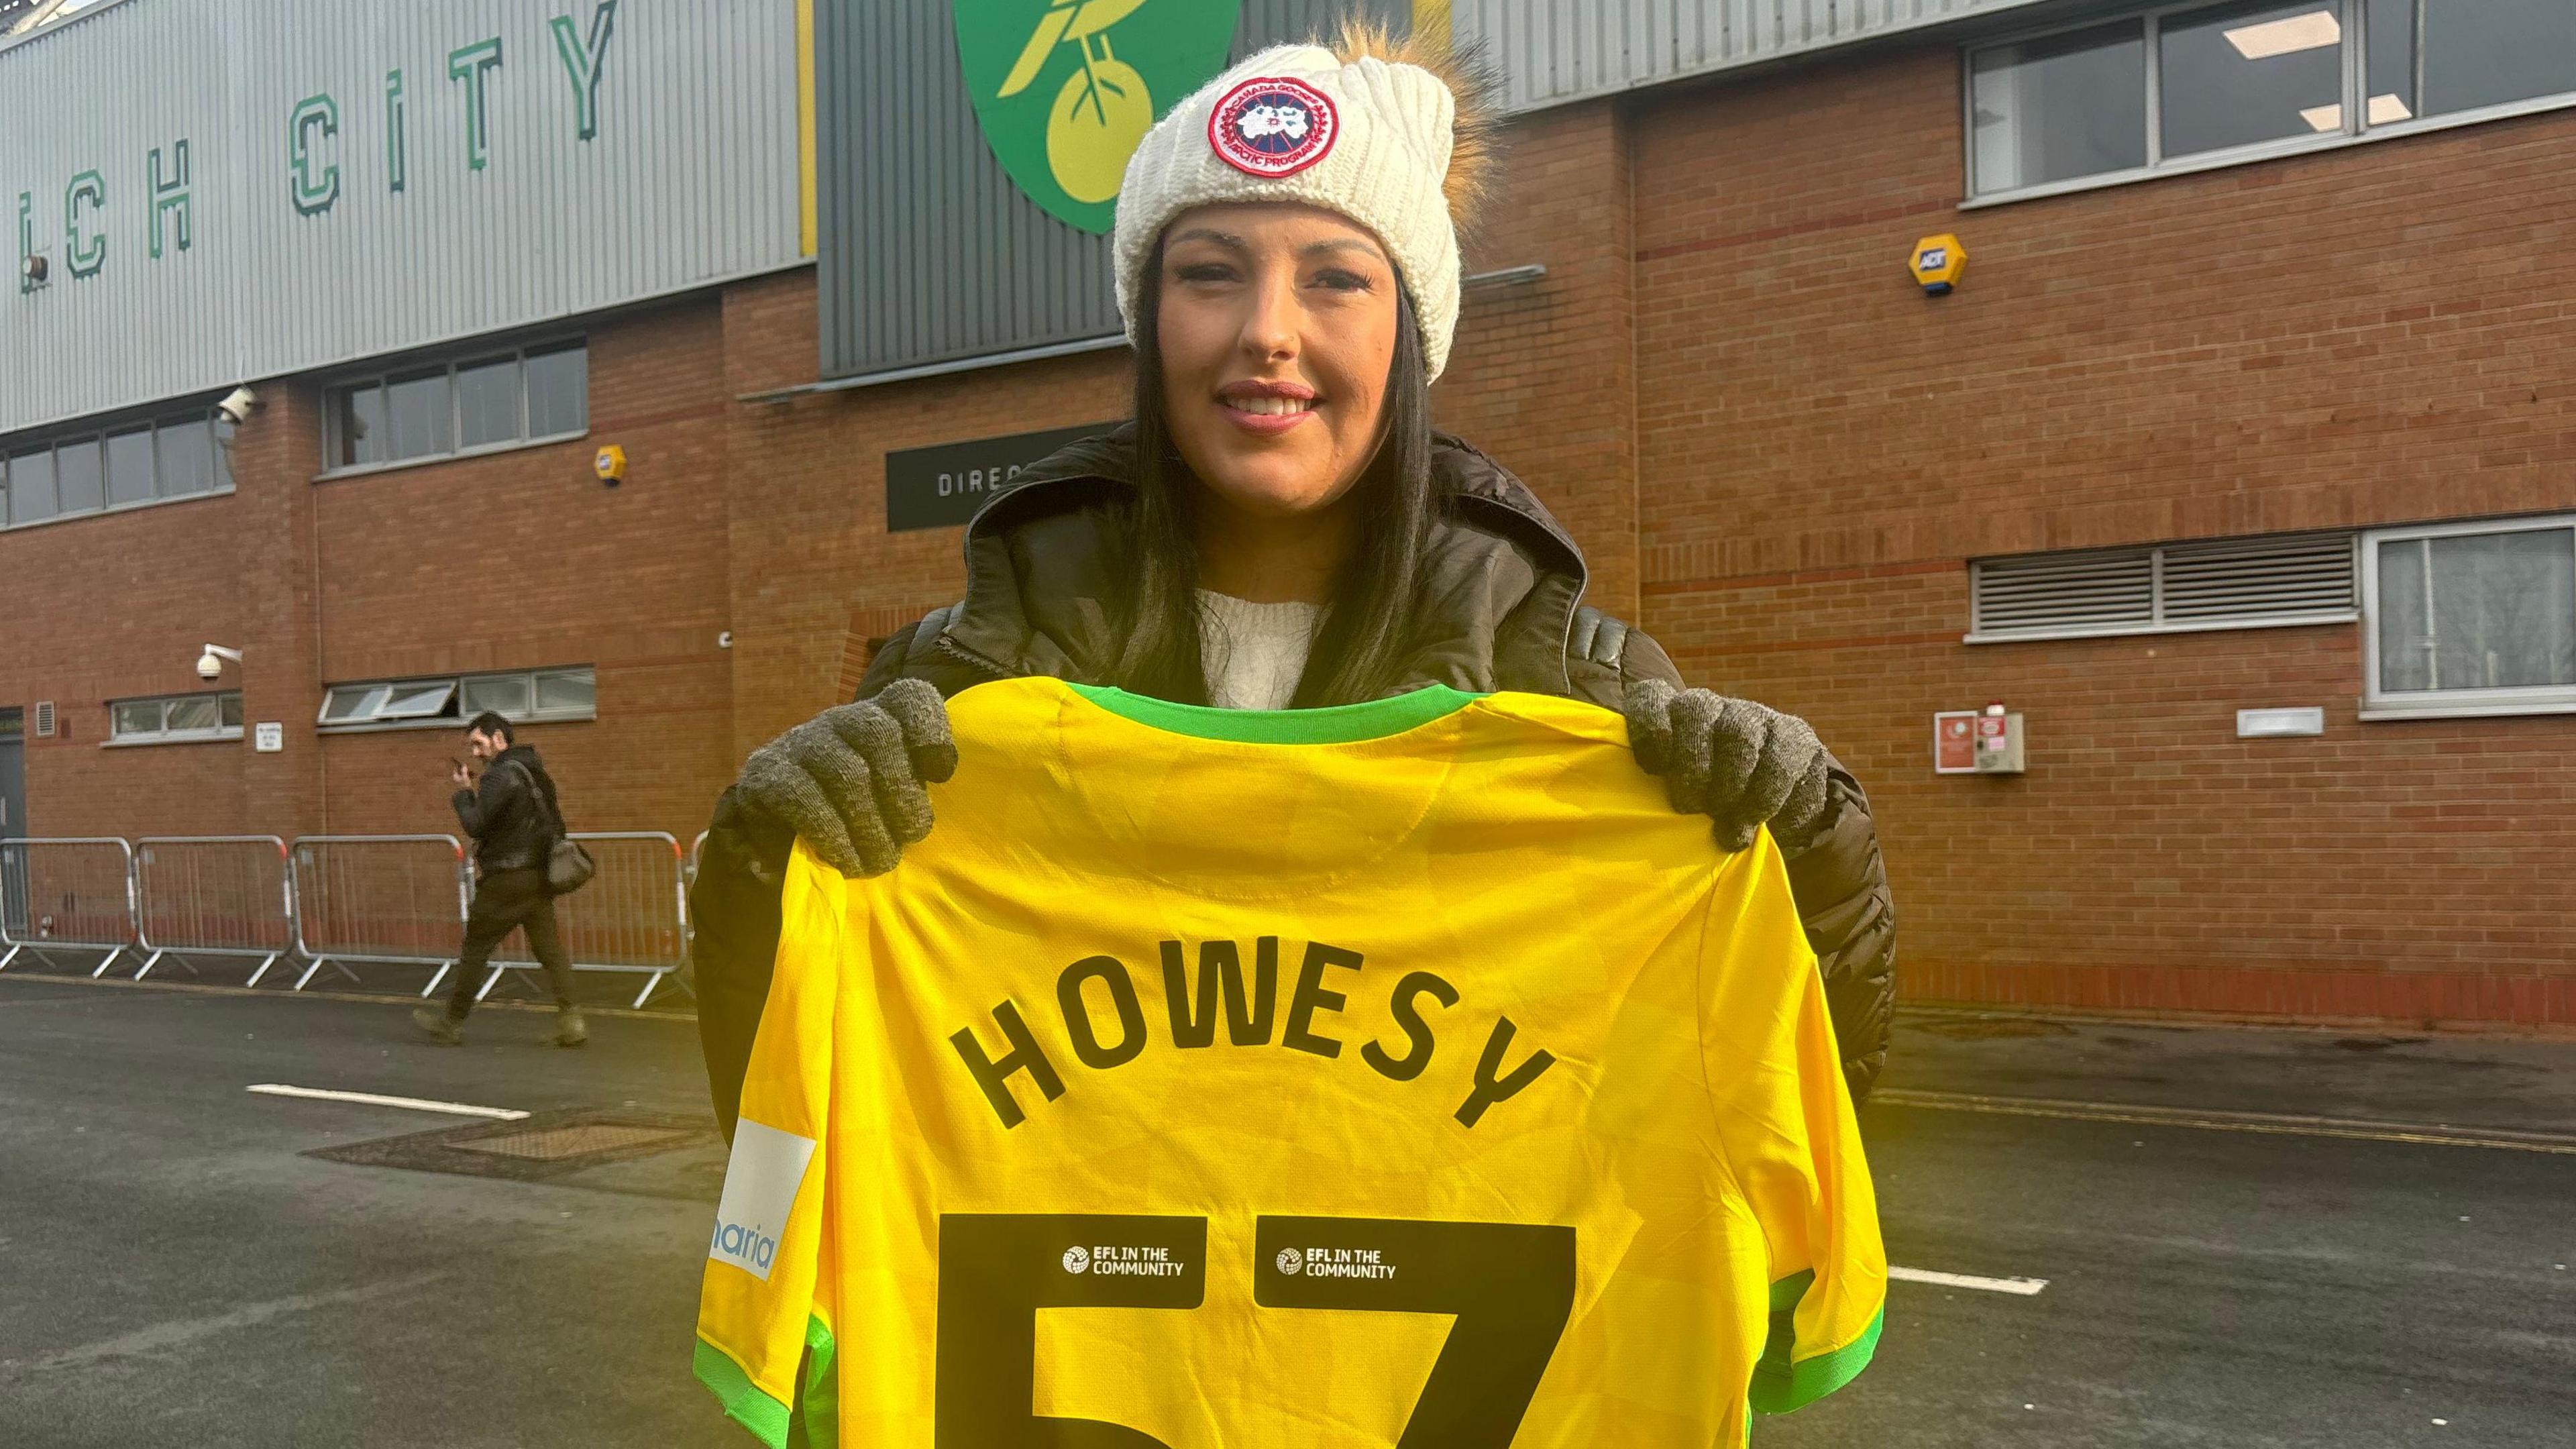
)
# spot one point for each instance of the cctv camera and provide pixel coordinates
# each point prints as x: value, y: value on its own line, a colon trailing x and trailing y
x: 209, y: 668
x: 236, y: 408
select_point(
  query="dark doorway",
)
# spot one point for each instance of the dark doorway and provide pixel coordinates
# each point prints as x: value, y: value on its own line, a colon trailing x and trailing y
x: 13, y: 818
x: 13, y: 774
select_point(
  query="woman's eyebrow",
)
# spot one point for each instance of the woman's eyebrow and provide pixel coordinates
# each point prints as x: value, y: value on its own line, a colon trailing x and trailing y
x: 1342, y: 244
x: 1224, y: 239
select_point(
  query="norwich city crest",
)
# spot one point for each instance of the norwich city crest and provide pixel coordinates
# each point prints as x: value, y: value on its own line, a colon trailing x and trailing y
x: 1066, y: 88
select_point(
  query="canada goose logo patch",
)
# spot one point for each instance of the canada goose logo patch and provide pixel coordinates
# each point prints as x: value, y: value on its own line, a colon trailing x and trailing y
x: 1272, y: 126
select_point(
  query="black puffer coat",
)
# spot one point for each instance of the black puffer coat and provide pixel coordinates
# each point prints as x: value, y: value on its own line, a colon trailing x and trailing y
x: 1504, y: 591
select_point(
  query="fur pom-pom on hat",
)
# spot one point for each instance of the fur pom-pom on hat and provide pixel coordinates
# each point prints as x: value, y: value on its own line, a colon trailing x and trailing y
x: 1395, y: 133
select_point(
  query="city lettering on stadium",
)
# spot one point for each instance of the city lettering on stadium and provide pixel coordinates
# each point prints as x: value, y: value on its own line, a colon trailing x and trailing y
x: 1250, y: 1014
x: 315, y: 157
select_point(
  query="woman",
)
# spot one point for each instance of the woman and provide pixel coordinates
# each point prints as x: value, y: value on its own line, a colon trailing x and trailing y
x: 1280, y: 527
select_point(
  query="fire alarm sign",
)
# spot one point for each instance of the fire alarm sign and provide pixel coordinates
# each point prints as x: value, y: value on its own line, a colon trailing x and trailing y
x: 1954, y: 742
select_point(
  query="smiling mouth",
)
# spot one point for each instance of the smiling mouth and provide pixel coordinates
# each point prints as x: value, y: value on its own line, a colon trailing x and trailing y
x: 1271, y: 407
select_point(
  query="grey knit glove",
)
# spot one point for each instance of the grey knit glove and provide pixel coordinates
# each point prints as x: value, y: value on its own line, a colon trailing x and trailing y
x: 1730, y: 759
x: 850, y: 779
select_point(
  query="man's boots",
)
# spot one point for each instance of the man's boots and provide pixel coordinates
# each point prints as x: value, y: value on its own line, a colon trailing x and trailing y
x: 442, y: 1029
x: 569, y: 1031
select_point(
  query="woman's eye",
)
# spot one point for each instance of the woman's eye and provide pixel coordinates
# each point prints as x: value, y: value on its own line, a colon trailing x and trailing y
x: 1205, y: 272
x: 1334, y: 279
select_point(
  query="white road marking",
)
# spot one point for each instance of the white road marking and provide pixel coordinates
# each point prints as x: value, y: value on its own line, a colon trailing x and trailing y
x: 2284, y: 1124
x: 164, y: 1338
x: 2019, y: 1287
x: 416, y: 1104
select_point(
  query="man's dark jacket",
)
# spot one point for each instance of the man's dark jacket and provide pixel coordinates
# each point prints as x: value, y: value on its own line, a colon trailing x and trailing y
x: 1502, y: 611
x: 513, y: 825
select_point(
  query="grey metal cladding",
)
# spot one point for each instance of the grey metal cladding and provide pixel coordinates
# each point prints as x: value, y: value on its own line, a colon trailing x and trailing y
x: 1555, y: 51
x: 927, y: 252
x: 688, y: 178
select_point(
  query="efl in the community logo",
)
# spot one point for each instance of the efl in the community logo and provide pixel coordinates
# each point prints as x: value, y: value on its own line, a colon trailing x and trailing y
x: 1272, y: 126
x: 1064, y: 90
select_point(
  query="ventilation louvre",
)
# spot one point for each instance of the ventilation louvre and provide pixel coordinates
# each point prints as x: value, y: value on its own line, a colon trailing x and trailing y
x: 2293, y: 578
x: 44, y: 719
x: 2241, y: 578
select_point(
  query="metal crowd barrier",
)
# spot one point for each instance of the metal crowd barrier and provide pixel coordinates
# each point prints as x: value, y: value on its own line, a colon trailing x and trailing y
x: 633, y: 916
x: 395, y: 898
x: 213, y: 895
x: 69, y: 891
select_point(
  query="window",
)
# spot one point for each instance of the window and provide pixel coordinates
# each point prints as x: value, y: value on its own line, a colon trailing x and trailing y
x: 129, y: 467
x: 79, y: 482
x: 179, y: 456
x: 2474, y: 618
x: 2480, y: 53
x: 494, y: 401
x: 528, y: 695
x: 2236, y: 75
x: 2060, y: 107
x: 416, y: 415
x: 2188, y: 86
x: 558, y: 391
x: 31, y: 487
x: 488, y: 397
x: 2219, y: 583
x: 503, y: 694
x: 185, y: 453
x: 358, y: 423
x: 175, y: 719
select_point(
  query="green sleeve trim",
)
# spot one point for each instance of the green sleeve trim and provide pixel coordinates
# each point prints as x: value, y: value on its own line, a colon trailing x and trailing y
x: 744, y: 1402
x: 1783, y: 1383
x: 1339, y: 724
x: 818, y: 1403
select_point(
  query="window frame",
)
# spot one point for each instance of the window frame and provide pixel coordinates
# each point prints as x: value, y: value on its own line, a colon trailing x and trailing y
x: 137, y: 739
x: 2382, y: 704
x: 95, y: 433
x: 451, y: 363
x: 2356, y: 130
x: 456, y: 684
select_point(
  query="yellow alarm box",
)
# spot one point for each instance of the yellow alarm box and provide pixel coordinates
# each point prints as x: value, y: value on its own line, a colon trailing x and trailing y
x: 1937, y: 263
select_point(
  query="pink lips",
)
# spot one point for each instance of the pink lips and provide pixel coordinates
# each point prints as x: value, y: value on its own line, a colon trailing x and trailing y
x: 1265, y: 424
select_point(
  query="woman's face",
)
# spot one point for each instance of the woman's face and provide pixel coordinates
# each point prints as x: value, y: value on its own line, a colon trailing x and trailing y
x: 1277, y: 327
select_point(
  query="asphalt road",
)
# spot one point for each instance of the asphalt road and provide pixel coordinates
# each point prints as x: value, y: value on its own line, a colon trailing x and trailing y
x: 174, y: 1271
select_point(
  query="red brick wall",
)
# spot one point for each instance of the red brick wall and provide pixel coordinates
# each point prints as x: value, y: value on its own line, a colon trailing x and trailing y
x: 512, y: 560
x: 524, y: 559
x: 108, y: 607
x: 813, y: 563
x: 2368, y: 335
x: 1543, y: 374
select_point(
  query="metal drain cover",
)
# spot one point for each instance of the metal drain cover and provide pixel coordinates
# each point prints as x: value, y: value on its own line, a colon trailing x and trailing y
x: 549, y: 1144
x: 587, y: 1139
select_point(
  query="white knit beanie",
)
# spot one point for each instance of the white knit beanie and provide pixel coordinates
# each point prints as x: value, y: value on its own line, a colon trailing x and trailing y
x: 1368, y: 139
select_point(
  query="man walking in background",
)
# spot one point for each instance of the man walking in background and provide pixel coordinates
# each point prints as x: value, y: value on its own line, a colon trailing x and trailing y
x: 515, y: 821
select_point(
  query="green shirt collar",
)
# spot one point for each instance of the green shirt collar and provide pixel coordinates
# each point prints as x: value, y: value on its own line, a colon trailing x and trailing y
x: 1339, y: 724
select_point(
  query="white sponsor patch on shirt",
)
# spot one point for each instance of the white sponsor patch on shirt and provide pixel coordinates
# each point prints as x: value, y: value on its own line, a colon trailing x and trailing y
x: 760, y: 1187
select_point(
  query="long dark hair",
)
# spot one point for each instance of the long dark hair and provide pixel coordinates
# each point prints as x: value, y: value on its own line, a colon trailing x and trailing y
x: 1362, y: 647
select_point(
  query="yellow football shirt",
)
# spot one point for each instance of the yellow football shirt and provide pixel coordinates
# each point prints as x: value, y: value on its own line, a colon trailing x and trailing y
x: 1408, y: 1073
